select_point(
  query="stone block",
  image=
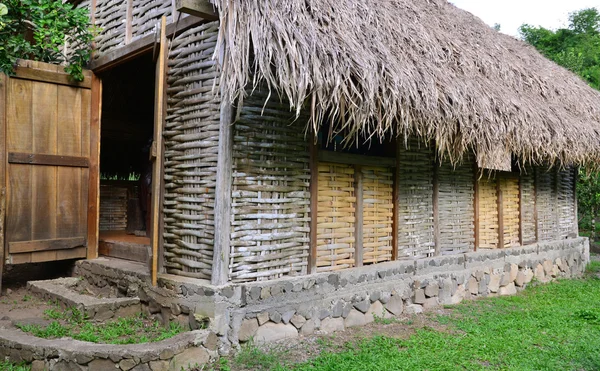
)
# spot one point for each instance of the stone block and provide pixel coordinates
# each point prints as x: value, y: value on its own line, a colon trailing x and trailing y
x: 287, y: 316
x: 413, y: 309
x: 473, y: 285
x: 548, y: 267
x: 127, y: 364
x: 509, y: 289
x: 275, y: 331
x: 309, y: 327
x: 38, y: 365
x: 459, y: 295
x: 494, y: 284
x: 419, y: 296
x: 298, y: 321
x: 395, y: 305
x: 329, y: 325
x: 430, y: 303
x: 355, y: 318
x: 363, y: 305
x: 100, y: 365
x: 376, y: 310
x: 159, y: 365
x: 247, y: 329
x: 338, y: 309
x: 191, y: 357
x: 539, y: 273
x: 514, y: 270
x: 432, y: 290
x: 262, y: 317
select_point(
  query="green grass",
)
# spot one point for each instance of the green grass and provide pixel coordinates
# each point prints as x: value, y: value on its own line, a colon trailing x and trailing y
x: 546, y: 327
x: 9, y: 366
x: 71, y: 323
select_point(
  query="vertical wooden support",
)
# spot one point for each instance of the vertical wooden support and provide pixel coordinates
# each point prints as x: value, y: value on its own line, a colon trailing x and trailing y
x: 129, y: 22
x: 476, y: 231
x: 500, y: 208
x: 314, y: 194
x: 159, y: 119
x: 94, y: 170
x: 535, y: 209
x: 575, y: 206
x: 3, y: 89
x: 358, y: 216
x: 556, y: 205
x: 521, y: 242
x: 395, y: 210
x: 220, y: 272
x: 436, y: 210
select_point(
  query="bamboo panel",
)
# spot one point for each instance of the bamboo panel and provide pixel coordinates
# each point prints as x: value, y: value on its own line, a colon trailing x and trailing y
x: 146, y: 14
x: 528, y: 206
x: 456, y: 211
x: 113, y: 208
x: 335, y: 217
x: 270, y: 191
x: 509, y: 185
x: 488, y: 212
x: 378, y: 213
x: 110, y: 20
x: 415, y: 205
x: 191, y: 138
x: 546, y: 204
x: 566, y: 202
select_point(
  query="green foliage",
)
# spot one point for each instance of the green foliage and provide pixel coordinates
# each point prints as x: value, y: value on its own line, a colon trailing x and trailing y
x: 253, y: 358
x: 39, y: 29
x: 10, y: 366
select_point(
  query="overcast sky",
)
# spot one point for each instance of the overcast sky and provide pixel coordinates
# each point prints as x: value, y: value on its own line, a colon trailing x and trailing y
x: 511, y: 14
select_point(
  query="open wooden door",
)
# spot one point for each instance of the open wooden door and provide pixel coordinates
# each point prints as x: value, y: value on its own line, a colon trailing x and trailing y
x: 47, y: 164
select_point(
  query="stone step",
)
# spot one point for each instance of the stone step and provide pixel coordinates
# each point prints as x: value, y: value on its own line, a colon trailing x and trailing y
x: 63, y: 291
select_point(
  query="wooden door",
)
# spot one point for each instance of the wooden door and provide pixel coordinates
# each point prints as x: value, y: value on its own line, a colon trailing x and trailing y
x: 47, y: 132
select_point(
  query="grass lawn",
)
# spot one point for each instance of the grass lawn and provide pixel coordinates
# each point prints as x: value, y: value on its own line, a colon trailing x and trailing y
x: 547, y: 327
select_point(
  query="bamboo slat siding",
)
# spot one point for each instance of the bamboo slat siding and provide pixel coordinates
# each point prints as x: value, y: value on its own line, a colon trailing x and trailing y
x: 415, y: 195
x: 528, y: 206
x: 509, y: 186
x: 146, y: 14
x: 113, y: 208
x: 191, y: 138
x: 270, y: 192
x: 378, y: 212
x: 110, y: 19
x: 546, y: 204
x: 566, y: 202
x: 456, y: 212
x: 335, y: 217
x: 488, y: 212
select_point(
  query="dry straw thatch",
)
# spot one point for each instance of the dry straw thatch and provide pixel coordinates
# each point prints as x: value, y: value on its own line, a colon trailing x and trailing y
x: 404, y: 67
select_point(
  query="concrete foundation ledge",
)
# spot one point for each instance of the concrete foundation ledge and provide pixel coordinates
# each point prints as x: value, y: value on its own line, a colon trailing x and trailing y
x: 190, y: 348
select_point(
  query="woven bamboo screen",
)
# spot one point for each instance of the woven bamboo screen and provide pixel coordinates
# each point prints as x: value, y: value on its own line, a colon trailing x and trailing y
x: 566, y: 202
x: 456, y: 213
x: 335, y: 217
x: 378, y: 213
x: 110, y: 19
x: 528, y: 206
x: 488, y: 212
x: 270, y: 193
x: 191, y: 141
x: 415, y: 201
x: 113, y: 208
x: 146, y: 14
x: 546, y: 199
x: 509, y: 186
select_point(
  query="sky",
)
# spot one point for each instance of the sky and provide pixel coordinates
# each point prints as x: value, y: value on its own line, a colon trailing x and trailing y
x: 511, y: 14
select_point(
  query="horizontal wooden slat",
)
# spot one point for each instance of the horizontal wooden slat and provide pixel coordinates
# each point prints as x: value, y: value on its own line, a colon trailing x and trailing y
x: 199, y: 8
x: 45, y: 245
x: 60, y: 78
x: 352, y: 159
x: 45, y: 256
x: 52, y: 160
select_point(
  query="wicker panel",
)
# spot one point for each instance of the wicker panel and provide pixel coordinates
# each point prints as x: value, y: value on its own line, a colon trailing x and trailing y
x: 566, y: 202
x: 488, y: 212
x: 110, y: 19
x: 335, y: 217
x: 191, y: 142
x: 113, y: 208
x: 415, y: 202
x: 528, y: 206
x: 146, y: 15
x: 270, y: 194
x: 378, y: 213
x: 546, y: 204
x: 509, y: 186
x: 456, y: 207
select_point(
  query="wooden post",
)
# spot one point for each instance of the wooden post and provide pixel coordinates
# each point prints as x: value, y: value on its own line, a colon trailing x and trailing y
x: 3, y: 88
x: 314, y: 194
x: 220, y: 272
x: 520, y: 210
x: 535, y: 210
x: 436, y: 210
x: 395, y: 210
x: 575, y: 206
x: 94, y: 170
x: 128, y: 22
x: 476, y: 231
x: 159, y: 119
x: 358, y: 216
x: 500, y: 212
x: 556, y: 204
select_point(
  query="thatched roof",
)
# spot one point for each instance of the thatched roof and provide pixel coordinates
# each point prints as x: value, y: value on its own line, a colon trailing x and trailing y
x: 411, y: 67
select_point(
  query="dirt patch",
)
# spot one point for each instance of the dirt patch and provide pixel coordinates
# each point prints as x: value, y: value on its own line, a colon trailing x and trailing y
x: 17, y: 303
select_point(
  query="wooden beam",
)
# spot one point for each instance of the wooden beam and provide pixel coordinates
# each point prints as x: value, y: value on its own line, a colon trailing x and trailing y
x: 352, y: 159
x: 575, y: 206
x: 395, y: 209
x: 556, y: 205
x: 199, y: 8
x: 60, y: 78
x: 140, y: 46
x: 520, y: 180
x: 314, y: 194
x: 50, y: 160
x: 500, y: 211
x: 45, y: 245
x: 358, y: 216
x: 128, y: 22
x: 535, y: 202
x: 94, y: 170
x: 436, y: 210
x: 476, y: 232
x: 3, y: 166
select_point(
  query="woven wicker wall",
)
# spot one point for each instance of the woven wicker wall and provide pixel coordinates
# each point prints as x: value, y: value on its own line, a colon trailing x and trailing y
x: 335, y: 217
x: 146, y: 14
x: 456, y: 211
x: 528, y: 206
x: 509, y: 186
x: 415, y: 195
x: 378, y: 213
x: 191, y: 140
x: 110, y: 19
x: 566, y: 202
x: 546, y: 204
x: 488, y: 212
x: 271, y: 197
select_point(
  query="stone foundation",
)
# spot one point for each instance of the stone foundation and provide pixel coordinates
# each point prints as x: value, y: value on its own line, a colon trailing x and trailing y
x: 328, y: 302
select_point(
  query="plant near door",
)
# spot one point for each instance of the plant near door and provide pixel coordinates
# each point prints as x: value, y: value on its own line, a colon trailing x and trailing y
x: 40, y: 29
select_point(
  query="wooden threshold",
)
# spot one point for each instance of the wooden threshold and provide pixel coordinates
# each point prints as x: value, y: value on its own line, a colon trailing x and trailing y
x: 46, y: 245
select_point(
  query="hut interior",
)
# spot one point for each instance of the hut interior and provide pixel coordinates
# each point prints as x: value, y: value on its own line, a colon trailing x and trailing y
x: 125, y: 164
